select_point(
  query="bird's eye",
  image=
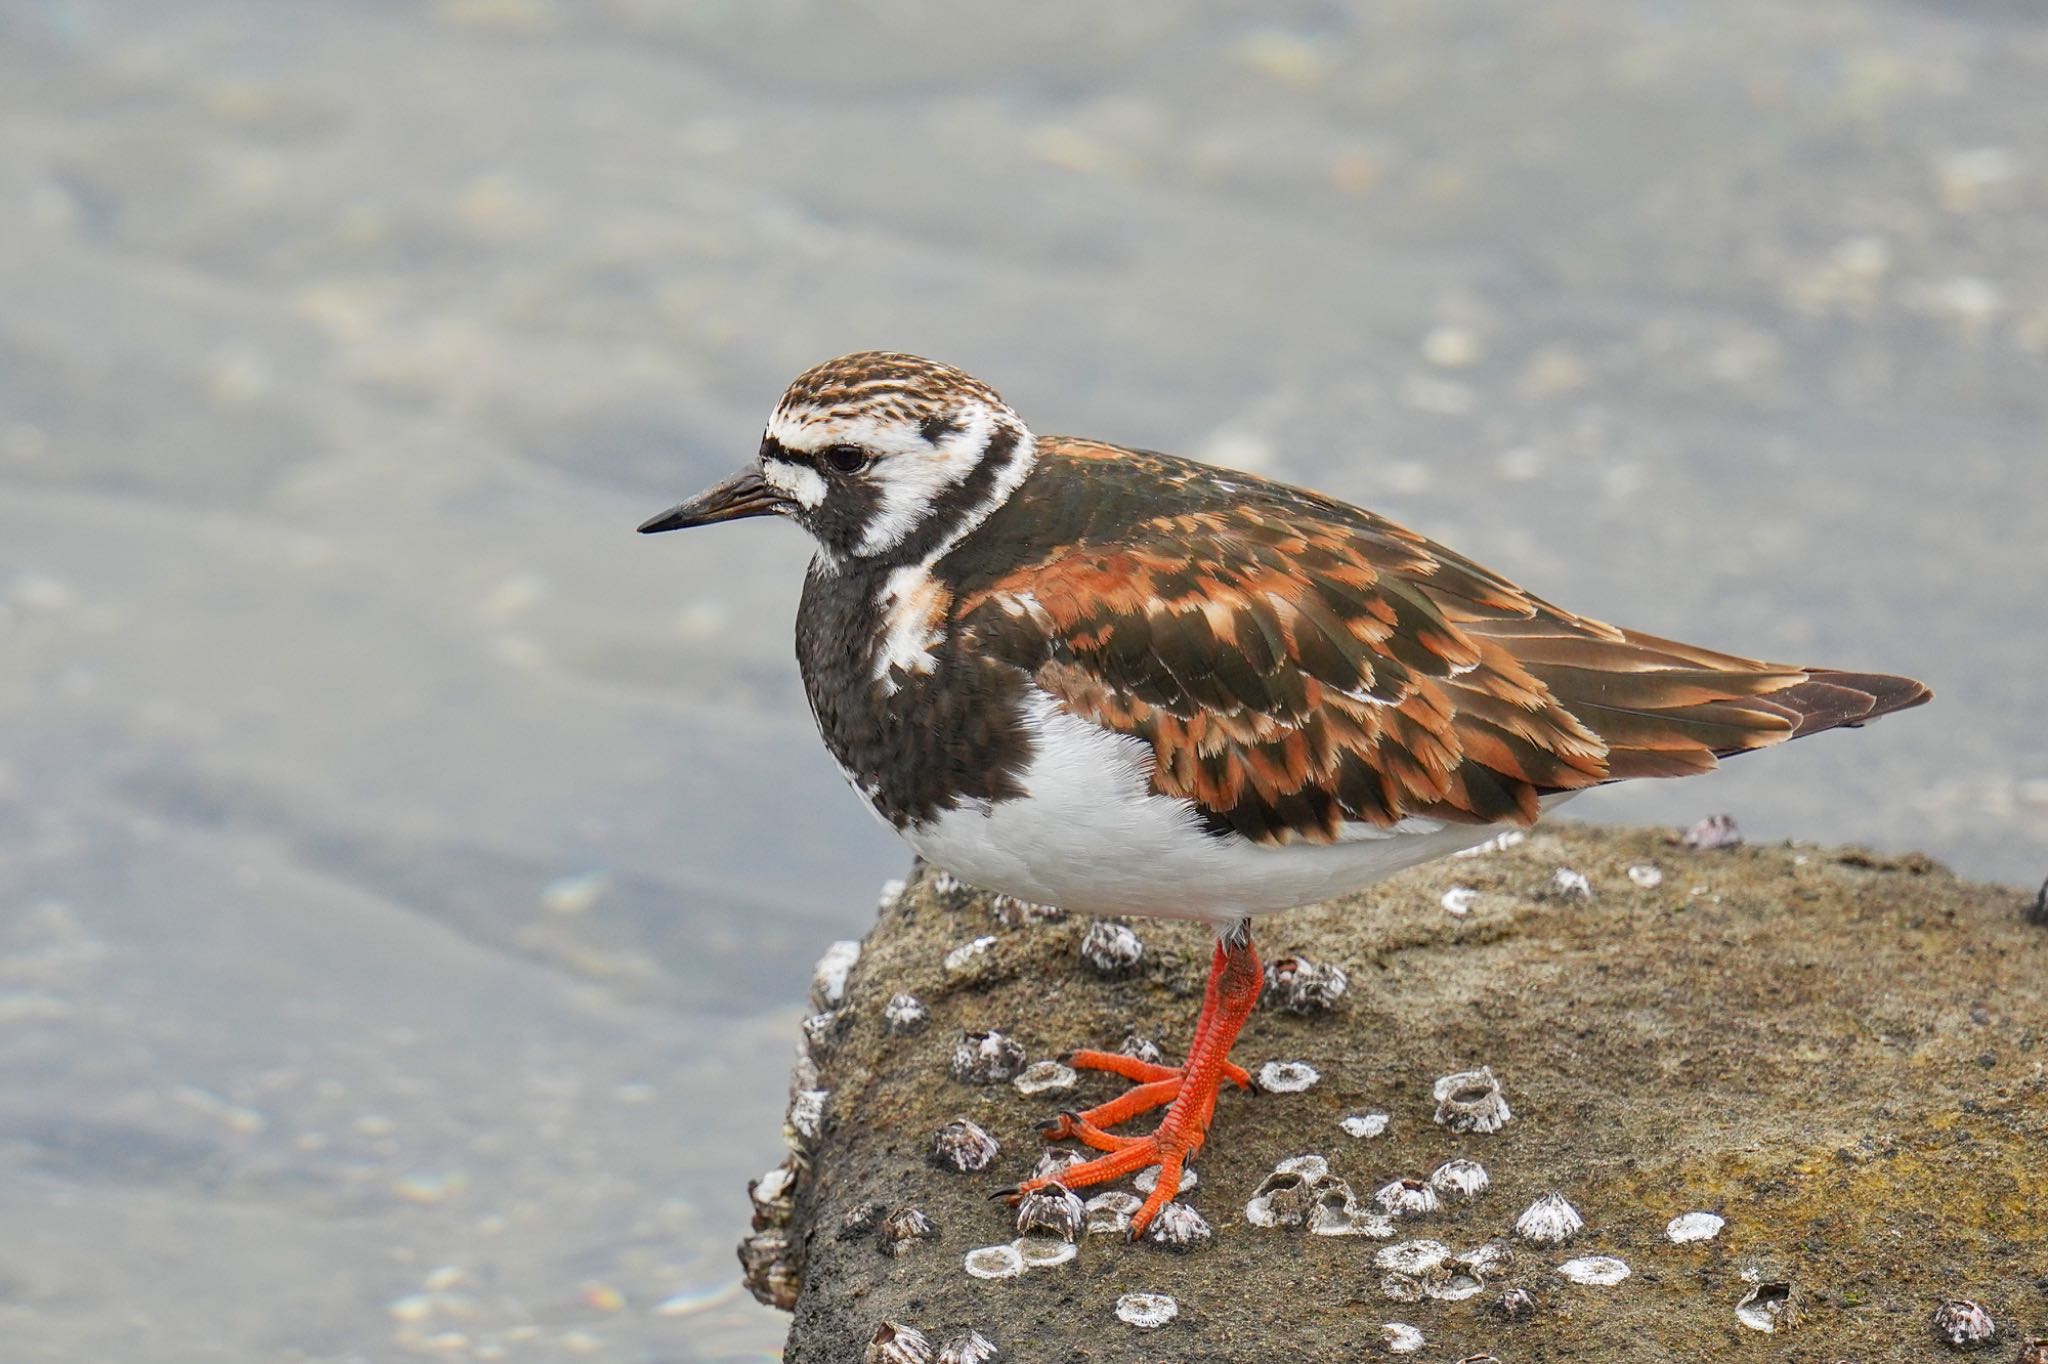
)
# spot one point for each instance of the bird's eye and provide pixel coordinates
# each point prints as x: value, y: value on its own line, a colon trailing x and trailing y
x: 847, y: 459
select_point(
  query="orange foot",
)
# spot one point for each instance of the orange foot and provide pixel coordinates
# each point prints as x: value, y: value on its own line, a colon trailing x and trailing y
x: 1186, y: 1092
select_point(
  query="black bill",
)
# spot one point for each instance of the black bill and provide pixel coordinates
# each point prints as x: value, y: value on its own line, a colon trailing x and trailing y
x: 744, y: 494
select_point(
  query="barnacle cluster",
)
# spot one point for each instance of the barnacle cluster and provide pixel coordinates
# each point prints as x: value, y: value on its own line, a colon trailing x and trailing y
x: 770, y: 1261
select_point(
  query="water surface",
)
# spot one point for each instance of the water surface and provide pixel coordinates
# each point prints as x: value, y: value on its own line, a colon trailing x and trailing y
x: 409, y: 877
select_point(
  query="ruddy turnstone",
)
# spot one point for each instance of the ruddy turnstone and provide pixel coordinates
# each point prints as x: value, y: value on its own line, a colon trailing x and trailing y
x: 1125, y: 683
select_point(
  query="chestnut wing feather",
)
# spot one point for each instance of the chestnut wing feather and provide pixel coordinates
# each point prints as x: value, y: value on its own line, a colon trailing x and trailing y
x: 1299, y: 666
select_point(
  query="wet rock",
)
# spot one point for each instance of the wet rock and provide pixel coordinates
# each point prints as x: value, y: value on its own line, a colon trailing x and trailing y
x: 1670, y: 1050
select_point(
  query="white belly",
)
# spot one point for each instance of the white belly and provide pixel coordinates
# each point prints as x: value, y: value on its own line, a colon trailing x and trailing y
x: 1092, y: 837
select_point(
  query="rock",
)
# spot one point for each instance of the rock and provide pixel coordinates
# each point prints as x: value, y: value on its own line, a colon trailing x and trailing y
x: 1828, y: 1049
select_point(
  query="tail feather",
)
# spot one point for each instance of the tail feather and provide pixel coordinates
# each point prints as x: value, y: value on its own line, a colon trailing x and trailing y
x: 1832, y: 699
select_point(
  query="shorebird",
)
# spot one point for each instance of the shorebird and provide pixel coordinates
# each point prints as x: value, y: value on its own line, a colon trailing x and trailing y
x: 1120, y: 682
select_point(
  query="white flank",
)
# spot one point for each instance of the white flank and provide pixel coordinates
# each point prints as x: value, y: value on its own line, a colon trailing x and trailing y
x: 1090, y: 836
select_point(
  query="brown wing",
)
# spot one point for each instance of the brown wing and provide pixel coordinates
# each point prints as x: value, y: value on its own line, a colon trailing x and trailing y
x: 1296, y: 666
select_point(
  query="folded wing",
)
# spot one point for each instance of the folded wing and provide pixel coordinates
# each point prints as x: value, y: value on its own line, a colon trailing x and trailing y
x: 1305, y: 671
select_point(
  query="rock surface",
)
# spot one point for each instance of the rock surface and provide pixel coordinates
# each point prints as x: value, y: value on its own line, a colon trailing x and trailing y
x: 1841, y: 1054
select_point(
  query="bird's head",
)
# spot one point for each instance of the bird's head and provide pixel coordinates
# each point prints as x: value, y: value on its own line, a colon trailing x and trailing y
x: 880, y: 456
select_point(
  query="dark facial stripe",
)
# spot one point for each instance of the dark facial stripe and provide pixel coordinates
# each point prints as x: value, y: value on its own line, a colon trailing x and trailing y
x: 957, y: 503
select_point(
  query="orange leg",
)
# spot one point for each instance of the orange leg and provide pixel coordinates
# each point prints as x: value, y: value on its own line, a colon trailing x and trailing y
x: 1187, y: 1092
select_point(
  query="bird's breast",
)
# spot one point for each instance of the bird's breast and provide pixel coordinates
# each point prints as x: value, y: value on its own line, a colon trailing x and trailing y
x: 917, y: 723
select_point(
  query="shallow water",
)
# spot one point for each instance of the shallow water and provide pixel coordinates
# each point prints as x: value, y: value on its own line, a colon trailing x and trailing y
x: 409, y: 877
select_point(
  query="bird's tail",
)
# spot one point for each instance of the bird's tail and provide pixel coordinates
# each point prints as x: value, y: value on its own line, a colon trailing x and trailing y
x: 1832, y: 699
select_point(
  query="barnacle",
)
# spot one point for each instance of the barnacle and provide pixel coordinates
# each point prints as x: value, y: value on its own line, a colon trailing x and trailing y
x: 1596, y: 1271
x: 902, y: 1229
x: 1549, y: 1221
x: 1406, y: 1198
x: 1302, y: 985
x: 1769, y: 1307
x: 1045, y: 1077
x: 963, y: 1145
x: 1693, y: 1226
x: 1146, y: 1311
x: 986, y: 1058
x: 1460, y: 1180
x: 1471, y: 1101
x: 1055, y: 1209
x: 905, y: 1013
x: 969, y: 1347
x: 1287, y: 1077
x: 1962, y: 1322
x: 1111, y: 948
x: 895, y: 1343
x: 1179, y: 1227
